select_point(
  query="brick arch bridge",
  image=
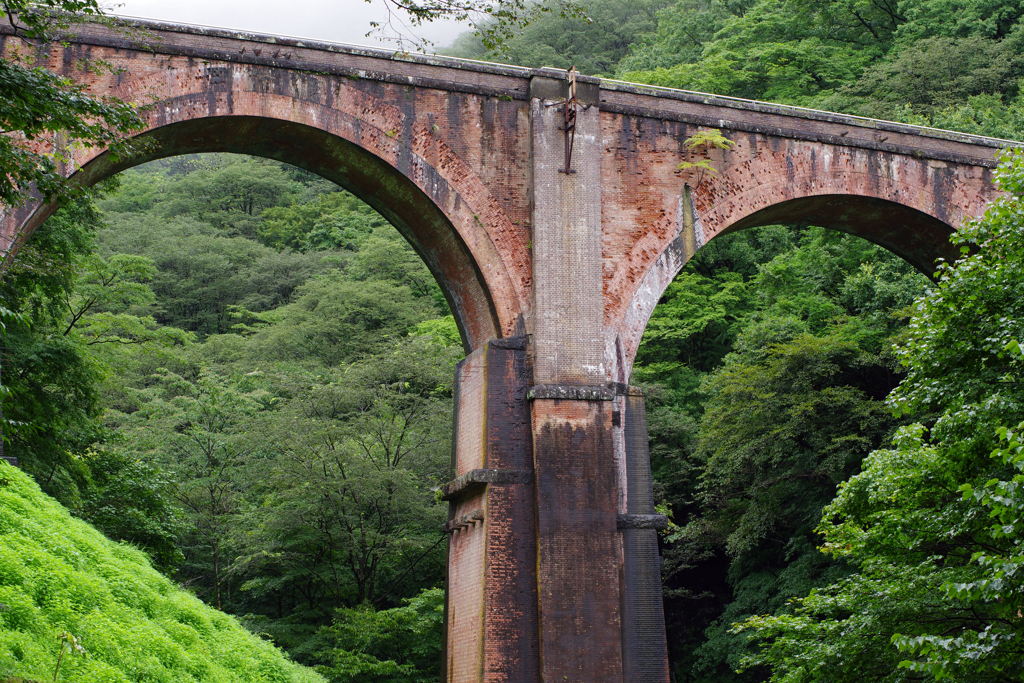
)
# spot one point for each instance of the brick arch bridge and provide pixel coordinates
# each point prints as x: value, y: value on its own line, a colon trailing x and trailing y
x: 553, y: 570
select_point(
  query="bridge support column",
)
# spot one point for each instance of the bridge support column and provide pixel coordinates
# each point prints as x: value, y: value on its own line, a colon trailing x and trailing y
x: 491, y: 596
x: 599, y: 589
x: 578, y: 553
x: 553, y: 567
x: 578, y: 548
x: 644, y: 648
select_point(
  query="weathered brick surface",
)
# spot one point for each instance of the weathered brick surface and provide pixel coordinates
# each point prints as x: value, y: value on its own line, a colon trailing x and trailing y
x: 577, y: 541
x: 567, y: 310
x: 644, y: 646
x: 492, y: 577
x: 465, y: 600
x: 427, y: 158
x: 470, y: 413
x: 511, y: 637
x: 511, y: 646
x: 551, y: 276
x: 444, y: 150
x: 906, y: 203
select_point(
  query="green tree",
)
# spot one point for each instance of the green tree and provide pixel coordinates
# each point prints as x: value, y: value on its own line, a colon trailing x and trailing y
x: 749, y: 441
x: 202, y: 277
x: 779, y: 50
x: 50, y: 404
x: 934, y: 74
x: 60, y: 353
x: 495, y: 22
x: 931, y: 524
x: 683, y: 29
x: 336, y: 220
x: 593, y: 43
x: 334, y: 321
x: 128, y: 500
x: 38, y: 106
x: 397, y: 645
x: 230, y: 192
x: 204, y: 434
x: 780, y: 432
x: 353, y: 516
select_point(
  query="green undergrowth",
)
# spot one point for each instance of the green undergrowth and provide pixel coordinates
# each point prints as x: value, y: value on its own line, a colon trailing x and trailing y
x: 59, y: 576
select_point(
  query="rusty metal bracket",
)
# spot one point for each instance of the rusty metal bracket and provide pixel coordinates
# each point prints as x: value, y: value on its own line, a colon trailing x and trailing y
x: 569, y: 106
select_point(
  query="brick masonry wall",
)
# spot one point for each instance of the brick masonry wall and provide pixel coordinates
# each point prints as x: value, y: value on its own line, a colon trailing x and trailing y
x: 567, y: 309
x: 444, y: 149
x: 464, y: 613
x: 906, y: 202
x: 436, y: 157
x: 577, y: 543
x: 492, y: 597
x: 511, y: 632
x: 644, y: 645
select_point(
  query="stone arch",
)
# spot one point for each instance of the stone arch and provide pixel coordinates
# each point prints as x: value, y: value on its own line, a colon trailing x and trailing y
x: 906, y: 205
x: 914, y: 236
x: 373, y: 149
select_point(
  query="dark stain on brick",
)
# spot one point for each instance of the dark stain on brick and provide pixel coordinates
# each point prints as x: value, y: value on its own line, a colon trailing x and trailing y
x: 576, y: 522
x: 944, y: 186
x: 453, y: 110
x: 512, y: 637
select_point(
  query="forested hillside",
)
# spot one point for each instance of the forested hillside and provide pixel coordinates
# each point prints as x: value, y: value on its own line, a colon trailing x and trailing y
x: 949, y: 63
x: 246, y: 373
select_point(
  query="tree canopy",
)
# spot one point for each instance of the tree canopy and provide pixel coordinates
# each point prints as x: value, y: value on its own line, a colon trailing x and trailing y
x: 930, y: 527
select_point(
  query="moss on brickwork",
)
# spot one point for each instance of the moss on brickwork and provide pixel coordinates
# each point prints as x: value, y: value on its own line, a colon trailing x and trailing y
x: 58, y: 575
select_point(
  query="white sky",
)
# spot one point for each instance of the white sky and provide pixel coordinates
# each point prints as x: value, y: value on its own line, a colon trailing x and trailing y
x: 339, y: 21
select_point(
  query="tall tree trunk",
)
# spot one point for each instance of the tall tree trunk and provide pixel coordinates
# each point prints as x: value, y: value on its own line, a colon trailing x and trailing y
x: 216, y: 573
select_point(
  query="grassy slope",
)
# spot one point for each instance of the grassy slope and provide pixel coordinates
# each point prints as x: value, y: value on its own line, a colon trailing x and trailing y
x: 59, y: 574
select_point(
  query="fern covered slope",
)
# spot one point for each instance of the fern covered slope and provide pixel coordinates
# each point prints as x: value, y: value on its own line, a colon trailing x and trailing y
x: 58, y: 575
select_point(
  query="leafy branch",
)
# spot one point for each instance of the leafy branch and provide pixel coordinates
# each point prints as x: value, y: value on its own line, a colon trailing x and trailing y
x: 711, y: 138
x: 495, y: 21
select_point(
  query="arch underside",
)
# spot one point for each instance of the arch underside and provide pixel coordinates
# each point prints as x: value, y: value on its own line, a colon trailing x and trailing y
x: 395, y: 196
x: 917, y: 237
x: 914, y: 236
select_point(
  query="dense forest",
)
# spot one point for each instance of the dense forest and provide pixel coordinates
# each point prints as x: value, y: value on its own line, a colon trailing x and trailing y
x: 241, y: 370
x: 244, y: 371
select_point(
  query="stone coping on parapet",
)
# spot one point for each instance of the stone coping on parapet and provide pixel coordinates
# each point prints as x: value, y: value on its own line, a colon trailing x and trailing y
x: 490, y: 78
x: 694, y: 97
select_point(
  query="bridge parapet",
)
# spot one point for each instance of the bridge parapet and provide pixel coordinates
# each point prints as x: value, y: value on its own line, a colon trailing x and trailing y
x: 493, y: 79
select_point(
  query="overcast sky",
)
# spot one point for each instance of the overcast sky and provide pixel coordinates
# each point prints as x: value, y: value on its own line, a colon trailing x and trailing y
x: 339, y: 21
